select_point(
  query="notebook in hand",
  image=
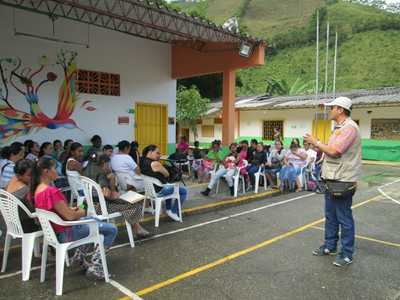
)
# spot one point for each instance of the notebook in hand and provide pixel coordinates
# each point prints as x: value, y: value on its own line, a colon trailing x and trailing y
x: 132, y: 197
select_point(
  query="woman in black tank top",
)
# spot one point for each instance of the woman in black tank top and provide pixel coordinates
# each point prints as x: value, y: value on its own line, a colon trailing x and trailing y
x: 150, y: 166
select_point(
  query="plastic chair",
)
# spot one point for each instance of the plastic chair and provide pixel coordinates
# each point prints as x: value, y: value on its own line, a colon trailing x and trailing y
x: 122, y: 179
x: 9, y: 205
x: 212, y: 172
x: 260, y: 173
x: 75, y: 186
x: 151, y: 194
x: 50, y: 239
x: 91, y: 186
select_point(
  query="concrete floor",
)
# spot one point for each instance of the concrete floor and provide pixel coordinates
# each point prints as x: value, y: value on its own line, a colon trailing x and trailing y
x: 256, y: 250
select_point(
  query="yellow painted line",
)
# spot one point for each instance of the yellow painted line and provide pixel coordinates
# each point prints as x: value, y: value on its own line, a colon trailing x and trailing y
x: 233, y: 256
x: 367, y: 238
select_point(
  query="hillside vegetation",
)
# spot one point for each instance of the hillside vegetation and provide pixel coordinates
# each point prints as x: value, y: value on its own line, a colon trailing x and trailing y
x: 369, y: 40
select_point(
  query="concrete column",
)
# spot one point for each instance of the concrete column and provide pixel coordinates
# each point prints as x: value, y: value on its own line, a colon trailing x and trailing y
x: 228, y: 107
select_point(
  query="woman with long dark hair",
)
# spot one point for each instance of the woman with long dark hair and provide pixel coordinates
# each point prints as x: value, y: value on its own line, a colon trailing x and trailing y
x: 32, y: 151
x: 73, y: 167
x: 19, y: 186
x: 48, y: 197
x: 46, y: 151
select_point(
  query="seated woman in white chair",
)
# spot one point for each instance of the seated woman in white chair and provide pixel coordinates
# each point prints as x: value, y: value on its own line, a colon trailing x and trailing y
x: 48, y: 197
x: 227, y: 170
x: 123, y: 163
x: 151, y: 166
x: 19, y: 186
x: 101, y: 173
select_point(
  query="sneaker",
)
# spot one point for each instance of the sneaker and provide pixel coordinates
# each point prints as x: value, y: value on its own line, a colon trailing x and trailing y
x: 322, y: 251
x: 173, y: 216
x: 341, y: 261
x: 232, y: 190
x: 206, y: 192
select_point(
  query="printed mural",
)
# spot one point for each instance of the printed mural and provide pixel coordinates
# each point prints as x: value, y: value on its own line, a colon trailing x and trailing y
x: 28, y: 82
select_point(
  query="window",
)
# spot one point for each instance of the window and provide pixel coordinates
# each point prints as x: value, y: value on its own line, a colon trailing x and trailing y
x: 98, y: 83
x: 385, y: 129
x: 207, y: 131
x: 268, y: 129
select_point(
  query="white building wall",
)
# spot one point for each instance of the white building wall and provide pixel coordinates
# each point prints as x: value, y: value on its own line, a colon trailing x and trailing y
x: 143, y: 66
x: 298, y: 122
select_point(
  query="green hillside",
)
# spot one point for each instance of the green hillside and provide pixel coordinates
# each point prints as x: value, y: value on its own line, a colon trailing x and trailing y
x: 367, y: 60
x: 369, y: 40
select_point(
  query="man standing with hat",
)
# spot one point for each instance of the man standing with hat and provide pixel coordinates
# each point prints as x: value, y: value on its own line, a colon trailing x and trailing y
x: 341, y: 170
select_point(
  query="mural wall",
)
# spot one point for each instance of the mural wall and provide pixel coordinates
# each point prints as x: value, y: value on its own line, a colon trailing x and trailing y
x: 28, y: 81
x: 40, y: 95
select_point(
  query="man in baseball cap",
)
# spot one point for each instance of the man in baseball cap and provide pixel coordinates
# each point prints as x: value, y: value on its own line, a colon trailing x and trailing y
x: 341, y: 170
x: 342, y: 102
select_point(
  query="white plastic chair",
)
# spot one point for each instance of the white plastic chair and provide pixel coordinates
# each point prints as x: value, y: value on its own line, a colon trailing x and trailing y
x: 50, y: 239
x: 151, y: 194
x: 91, y: 186
x: 257, y: 176
x: 123, y: 179
x: 212, y: 172
x: 9, y: 205
x: 74, y: 185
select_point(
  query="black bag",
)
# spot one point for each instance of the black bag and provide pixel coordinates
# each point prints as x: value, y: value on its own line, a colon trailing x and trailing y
x: 175, y: 173
x: 340, y: 189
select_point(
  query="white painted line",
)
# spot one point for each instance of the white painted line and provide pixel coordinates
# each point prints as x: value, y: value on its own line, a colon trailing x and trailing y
x: 17, y: 273
x: 387, y: 196
x: 191, y: 227
x: 217, y: 220
x: 124, y: 290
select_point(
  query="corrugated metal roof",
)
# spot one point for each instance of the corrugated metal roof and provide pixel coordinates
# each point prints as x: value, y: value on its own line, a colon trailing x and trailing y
x: 360, y: 98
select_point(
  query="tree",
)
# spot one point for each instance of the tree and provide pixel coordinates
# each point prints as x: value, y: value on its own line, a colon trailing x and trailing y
x: 190, y: 106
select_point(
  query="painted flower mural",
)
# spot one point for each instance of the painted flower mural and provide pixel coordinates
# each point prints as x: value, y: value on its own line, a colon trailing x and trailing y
x: 14, y: 122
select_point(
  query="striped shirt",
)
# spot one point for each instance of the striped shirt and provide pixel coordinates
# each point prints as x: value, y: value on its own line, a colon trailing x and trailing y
x: 7, y: 172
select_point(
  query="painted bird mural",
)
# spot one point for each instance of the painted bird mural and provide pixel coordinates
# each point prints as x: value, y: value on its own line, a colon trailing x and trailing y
x: 14, y: 122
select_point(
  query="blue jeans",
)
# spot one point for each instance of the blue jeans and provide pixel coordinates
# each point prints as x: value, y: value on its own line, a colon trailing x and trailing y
x: 108, y: 230
x: 215, y: 177
x: 338, y: 213
x: 289, y: 173
x: 168, y: 190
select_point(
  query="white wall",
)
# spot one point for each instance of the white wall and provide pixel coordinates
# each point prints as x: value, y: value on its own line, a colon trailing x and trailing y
x: 298, y: 122
x: 143, y: 65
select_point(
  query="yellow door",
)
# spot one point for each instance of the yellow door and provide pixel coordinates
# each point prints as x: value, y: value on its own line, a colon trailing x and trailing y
x: 322, y: 129
x: 151, y: 125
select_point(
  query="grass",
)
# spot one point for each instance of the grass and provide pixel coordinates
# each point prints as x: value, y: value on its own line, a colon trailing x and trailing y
x: 369, y: 41
x: 364, y: 61
x: 266, y: 18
